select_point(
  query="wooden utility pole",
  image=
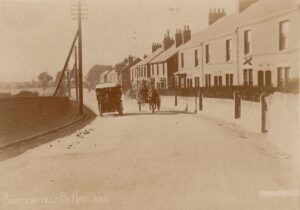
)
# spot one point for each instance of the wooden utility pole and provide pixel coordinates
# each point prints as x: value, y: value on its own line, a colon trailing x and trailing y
x: 80, y: 60
x: 77, y: 8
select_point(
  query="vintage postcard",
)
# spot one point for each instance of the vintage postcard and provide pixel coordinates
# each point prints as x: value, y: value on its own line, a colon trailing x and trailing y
x: 149, y: 104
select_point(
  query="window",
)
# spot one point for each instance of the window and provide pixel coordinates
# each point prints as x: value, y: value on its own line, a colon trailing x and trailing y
x: 207, y: 80
x: 197, y: 82
x: 182, y: 82
x: 207, y: 54
x: 220, y: 81
x: 228, y: 49
x: 196, y: 58
x: 163, y: 83
x: 282, y: 76
x: 163, y: 69
x: 229, y: 80
x: 284, y: 28
x: 216, y: 81
x: 247, y: 42
x: 157, y: 69
x: 182, y: 60
x: 158, y: 85
x: 145, y: 72
x: 152, y: 69
x: 248, y: 77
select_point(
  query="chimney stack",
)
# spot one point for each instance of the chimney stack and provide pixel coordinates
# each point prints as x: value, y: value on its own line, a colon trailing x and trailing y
x: 130, y: 59
x: 215, y: 14
x: 186, y: 34
x: 178, y: 38
x: 155, y: 46
x: 244, y: 4
x: 167, y: 42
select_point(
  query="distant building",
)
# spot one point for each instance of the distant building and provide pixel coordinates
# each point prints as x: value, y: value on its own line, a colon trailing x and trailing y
x: 141, y: 71
x: 163, y: 67
x: 112, y: 76
x: 124, y: 75
x: 103, y: 76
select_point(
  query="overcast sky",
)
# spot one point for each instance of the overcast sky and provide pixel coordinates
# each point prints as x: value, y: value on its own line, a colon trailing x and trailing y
x: 35, y: 35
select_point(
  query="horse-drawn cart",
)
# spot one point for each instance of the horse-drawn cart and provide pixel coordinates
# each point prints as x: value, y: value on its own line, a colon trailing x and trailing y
x: 148, y: 95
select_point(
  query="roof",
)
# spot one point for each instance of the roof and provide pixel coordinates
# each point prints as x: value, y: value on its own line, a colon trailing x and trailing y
x: 151, y: 57
x: 229, y: 23
x: 136, y: 65
x: 166, y: 54
x: 112, y: 71
x: 105, y: 72
x: 107, y: 85
x: 134, y: 62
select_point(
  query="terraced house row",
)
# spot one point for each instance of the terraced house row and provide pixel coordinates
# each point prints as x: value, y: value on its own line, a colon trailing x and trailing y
x: 258, y: 45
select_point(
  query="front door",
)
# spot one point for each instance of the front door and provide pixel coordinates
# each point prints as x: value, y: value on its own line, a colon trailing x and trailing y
x: 268, y: 78
x: 260, y: 78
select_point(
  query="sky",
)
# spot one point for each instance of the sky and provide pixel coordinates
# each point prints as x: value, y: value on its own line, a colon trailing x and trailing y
x: 35, y: 35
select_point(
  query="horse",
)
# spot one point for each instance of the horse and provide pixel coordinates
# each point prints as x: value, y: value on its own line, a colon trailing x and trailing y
x: 154, y: 101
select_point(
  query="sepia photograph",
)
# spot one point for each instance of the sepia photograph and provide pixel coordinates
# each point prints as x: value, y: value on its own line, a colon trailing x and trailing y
x: 149, y: 104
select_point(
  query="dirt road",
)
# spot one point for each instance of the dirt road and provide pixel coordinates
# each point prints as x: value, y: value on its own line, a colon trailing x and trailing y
x: 168, y: 160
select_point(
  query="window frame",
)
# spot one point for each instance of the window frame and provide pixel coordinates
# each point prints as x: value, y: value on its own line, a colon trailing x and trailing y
x: 196, y: 54
x: 207, y: 53
x: 284, y: 45
x: 228, y: 49
x: 247, y: 42
x: 182, y: 59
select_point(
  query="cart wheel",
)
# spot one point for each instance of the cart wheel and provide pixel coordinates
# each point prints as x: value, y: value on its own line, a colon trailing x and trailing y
x: 100, y: 109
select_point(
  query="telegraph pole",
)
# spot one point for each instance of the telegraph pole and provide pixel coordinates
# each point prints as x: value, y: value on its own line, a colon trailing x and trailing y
x: 80, y: 59
x: 78, y: 12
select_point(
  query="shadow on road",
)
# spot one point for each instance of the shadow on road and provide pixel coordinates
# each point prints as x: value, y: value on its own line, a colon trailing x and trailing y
x: 18, y: 149
x: 144, y: 113
x: 155, y: 113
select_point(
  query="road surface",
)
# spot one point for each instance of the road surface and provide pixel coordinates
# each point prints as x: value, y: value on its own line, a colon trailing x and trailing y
x: 169, y: 160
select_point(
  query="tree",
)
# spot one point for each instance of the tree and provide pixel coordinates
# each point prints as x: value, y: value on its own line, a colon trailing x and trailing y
x: 44, y: 79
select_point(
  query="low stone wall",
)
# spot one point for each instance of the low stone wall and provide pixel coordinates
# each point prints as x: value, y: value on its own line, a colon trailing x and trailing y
x: 250, y: 116
x: 219, y: 108
x: 283, y: 121
x: 18, y: 114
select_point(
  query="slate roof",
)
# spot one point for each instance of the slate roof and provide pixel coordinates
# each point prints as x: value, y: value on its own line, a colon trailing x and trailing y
x: 229, y: 23
x: 151, y: 57
x: 166, y: 54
